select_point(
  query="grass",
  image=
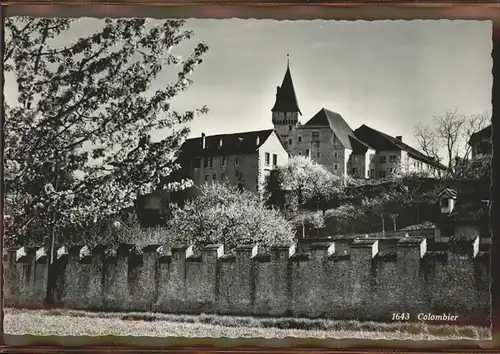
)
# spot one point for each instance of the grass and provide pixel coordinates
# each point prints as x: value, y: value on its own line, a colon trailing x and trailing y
x: 62, y: 322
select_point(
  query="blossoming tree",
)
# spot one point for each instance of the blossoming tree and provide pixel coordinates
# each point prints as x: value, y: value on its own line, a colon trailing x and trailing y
x: 76, y: 137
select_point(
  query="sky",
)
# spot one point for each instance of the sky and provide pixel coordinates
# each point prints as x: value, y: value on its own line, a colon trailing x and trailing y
x: 390, y: 75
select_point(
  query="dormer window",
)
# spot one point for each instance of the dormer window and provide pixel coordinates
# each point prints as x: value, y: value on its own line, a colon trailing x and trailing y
x: 445, y: 202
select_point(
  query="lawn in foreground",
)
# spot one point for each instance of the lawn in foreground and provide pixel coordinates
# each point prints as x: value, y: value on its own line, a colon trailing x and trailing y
x: 84, y: 323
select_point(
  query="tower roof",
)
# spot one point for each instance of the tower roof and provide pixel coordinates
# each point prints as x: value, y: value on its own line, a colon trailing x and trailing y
x: 286, y: 100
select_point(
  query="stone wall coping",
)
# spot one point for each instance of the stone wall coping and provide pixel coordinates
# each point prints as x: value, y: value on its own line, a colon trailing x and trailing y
x: 363, y: 243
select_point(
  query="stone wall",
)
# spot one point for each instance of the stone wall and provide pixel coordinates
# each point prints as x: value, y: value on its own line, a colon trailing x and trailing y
x: 344, y: 279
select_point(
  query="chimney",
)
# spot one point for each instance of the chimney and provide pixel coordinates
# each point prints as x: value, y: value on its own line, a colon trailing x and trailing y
x: 203, y: 141
x: 399, y: 137
x: 257, y: 140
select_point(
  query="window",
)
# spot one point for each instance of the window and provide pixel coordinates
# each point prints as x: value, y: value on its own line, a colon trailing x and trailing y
x: 275, y: 160
x: 335, y: 154
x: 214, y: 177
x: 314, y: 136
x: 444, y: 203
x: 383, y: 159
x: 372, y: 173
x: 223, y: 161
x: 267, y: 158
x: 307, y: 152
x: 290, y: 141
x: 317, y: 155
x: 335, y: 167
x: 382, y: 174
x: 392, y: 158
x: 222, y: 176
x: 208, y: 162
x: 207, y: 177
x: 289, y: 128
x: 237, y: 161
x: 300, y: 139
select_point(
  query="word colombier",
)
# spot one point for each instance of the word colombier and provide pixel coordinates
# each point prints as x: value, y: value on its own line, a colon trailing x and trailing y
x: 424, y: 317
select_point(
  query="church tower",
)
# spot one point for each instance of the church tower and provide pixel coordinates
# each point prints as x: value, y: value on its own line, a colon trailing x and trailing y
x: 285, y: 112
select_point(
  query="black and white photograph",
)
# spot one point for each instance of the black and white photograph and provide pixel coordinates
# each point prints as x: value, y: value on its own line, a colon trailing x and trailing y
x: 247, y: 178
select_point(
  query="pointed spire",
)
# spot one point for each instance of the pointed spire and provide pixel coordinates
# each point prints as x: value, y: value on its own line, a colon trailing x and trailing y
x: 286, y: 100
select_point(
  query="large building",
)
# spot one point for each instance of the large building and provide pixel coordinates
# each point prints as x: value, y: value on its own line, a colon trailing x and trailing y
x: 327, y: 139
x: 481, y: 142
x: 243, y: 159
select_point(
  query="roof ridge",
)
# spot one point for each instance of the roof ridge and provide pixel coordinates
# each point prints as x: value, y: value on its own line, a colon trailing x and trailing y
x: 236, y: 133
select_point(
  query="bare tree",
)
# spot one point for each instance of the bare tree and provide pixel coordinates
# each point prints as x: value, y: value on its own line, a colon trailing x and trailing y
x: 450, y: 134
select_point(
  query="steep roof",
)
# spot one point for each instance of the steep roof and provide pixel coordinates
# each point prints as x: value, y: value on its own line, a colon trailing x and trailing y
x: 232, y: 144
x: 382, y: 141
x: 340, y: 127
x: 483, y: 133
x: 286, y: 100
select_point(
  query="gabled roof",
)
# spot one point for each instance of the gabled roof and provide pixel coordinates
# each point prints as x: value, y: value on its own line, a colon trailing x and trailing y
x: 483, y: 133
x: 232, y: 144
x: 286, y: 100
x: 382, y: 141
x: 340, y: 128
x: 448, y: 192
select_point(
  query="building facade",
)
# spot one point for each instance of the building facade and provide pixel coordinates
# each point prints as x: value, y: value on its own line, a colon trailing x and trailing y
x: 481, y: 142
x: 327, y: 139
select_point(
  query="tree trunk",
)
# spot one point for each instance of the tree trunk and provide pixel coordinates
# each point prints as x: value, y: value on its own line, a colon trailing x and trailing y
x: 52, y: 251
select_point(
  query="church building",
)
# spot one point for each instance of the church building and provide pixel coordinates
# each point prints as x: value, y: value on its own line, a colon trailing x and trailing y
x: 327, y: 139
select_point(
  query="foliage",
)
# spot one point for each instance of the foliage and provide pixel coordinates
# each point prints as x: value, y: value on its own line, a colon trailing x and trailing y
x: 450, y: 132
x: 478, y: 167
x: 122, y: 228
x: 223, y: 214
x: 389, y: 203
x: 302, y: 183
x: 77, y: 144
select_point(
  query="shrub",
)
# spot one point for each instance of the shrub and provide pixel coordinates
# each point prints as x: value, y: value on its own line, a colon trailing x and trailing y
x: 222, y: 214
